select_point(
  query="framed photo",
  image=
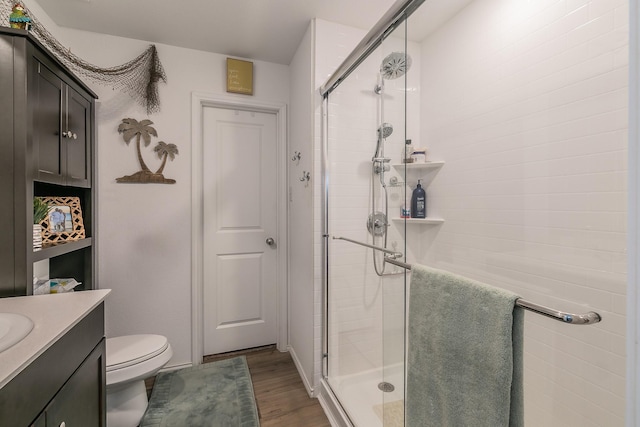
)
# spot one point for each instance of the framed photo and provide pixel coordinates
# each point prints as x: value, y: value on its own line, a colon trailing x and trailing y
x: 63, y: 222
x: 239, y: 76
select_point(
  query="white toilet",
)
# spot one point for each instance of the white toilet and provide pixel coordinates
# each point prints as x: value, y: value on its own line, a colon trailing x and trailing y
x: 130, y: 360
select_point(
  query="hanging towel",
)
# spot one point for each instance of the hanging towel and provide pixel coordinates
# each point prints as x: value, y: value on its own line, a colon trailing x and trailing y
x: 464, y: 366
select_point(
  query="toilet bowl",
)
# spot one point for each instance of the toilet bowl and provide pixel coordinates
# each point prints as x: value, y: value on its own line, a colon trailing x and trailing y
x: 130, y: 360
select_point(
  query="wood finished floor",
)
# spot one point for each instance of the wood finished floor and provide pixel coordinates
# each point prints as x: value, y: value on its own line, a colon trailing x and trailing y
x: 281, y: 398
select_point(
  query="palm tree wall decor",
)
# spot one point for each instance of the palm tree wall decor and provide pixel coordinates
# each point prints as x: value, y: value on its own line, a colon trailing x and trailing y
x: 142, y: 131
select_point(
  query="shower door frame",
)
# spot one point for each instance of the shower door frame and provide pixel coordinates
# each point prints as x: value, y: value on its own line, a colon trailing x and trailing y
x: 396, y: 16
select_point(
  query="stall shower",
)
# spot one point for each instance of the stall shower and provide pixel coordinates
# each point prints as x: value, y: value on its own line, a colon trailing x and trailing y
x: 521, y: 109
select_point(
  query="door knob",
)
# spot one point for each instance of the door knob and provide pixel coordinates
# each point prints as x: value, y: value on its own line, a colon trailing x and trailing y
x: 270, y: 241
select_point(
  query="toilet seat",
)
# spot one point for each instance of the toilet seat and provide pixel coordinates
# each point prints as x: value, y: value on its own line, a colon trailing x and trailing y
x: 131, y: 349
x: 133, y: 357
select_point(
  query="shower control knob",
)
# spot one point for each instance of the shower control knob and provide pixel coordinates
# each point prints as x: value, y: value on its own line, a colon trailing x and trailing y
x: 270, y: 241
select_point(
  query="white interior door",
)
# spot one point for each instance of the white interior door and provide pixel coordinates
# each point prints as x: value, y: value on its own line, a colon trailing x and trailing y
x: 240, y: 218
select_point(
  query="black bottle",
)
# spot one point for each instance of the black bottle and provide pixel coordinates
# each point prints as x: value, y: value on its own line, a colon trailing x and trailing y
x: 419, y: 202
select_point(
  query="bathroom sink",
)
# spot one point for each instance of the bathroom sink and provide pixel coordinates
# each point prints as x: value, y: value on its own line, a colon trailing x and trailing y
x: 13, y: 328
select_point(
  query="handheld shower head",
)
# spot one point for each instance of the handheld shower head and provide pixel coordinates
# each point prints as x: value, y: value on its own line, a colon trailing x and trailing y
x: 385, y: 130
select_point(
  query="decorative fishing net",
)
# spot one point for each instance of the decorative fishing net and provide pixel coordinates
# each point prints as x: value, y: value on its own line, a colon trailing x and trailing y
x: 138, y: 77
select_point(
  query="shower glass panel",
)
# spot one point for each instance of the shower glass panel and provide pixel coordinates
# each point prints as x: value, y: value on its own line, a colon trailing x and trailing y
x: 522, y: 108
x: 366, y: 296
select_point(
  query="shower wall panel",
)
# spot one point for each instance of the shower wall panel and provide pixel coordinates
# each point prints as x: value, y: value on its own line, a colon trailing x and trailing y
x: 526, y: 101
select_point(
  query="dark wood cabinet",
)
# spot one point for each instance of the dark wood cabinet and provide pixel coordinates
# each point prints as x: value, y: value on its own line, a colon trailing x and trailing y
x: 47, y: 142
x: 79, y: 401
x: 67, y: 383
x: 61, y: 129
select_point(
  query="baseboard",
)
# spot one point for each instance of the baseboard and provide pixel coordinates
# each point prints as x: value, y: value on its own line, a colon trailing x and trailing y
x: 332, y: 409
x: 305, y: 380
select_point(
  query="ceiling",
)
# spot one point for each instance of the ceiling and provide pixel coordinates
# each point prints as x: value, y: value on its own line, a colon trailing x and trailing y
x: 266, y: 30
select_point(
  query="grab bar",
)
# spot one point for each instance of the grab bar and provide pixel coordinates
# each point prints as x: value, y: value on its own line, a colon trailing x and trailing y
x: 574, y: 319
x: 393, y: 254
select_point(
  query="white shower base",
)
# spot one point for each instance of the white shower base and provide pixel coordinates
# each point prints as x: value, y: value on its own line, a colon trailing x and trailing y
x: 363, y: 401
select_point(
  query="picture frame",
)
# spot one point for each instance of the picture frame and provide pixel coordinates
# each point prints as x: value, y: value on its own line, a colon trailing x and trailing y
x: 239, y: 76
x: 63, y: 222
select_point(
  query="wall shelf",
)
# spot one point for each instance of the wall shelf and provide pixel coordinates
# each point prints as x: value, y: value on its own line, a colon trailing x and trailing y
x: 61, y: 249
x: 430, y: 168
x: 417, y: 166
x: 424, y: 221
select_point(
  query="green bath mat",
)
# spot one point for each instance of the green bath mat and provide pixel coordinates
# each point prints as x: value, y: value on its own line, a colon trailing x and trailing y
x: 218, y: 394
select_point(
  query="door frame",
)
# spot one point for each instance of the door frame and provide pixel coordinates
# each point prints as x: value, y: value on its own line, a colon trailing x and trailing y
x: 633, y: 222
x: 199, y: 101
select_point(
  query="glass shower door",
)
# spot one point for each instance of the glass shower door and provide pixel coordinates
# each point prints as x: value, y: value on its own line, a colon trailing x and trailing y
x: 365, y: 295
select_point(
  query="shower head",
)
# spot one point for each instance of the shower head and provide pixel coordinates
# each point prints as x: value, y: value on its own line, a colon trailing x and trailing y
x: 385, y: 130
x: 395, y: 65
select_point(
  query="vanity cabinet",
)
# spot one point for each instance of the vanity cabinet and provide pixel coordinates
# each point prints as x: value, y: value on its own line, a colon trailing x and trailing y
x: 66, y: 384
x: 78, y: 403
x: 48, y: 150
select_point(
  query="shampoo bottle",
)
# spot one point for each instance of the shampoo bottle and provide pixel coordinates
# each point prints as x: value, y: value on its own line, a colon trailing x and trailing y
x: 419, y: 202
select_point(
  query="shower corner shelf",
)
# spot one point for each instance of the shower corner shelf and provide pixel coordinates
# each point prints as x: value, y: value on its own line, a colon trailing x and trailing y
x: 417, y: 166
x: 424, y: 221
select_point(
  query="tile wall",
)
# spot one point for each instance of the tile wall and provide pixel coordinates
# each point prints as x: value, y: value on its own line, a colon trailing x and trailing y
x: 526, y: 101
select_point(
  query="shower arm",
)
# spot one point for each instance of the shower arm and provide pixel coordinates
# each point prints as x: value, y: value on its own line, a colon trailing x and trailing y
x: 391, y: 254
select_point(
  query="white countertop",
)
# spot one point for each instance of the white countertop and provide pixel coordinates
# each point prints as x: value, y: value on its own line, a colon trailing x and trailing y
x: 53, y: 315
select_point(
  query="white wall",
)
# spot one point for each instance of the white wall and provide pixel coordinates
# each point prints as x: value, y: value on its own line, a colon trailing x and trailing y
x: 301, y: 287
x: 145, y: 230
x: 528, y: 107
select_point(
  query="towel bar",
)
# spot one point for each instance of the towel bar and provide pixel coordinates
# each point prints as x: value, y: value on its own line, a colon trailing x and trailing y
x: 575, y: 319
x: 588, y: 318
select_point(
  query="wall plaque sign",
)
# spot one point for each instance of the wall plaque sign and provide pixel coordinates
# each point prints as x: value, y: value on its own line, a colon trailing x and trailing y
x: 239, y: 76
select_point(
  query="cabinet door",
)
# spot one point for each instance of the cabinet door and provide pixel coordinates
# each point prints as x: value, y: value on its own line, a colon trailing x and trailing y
x: 80, y: 402
x: 78, y: 171
x: 41, y: 421
x: 47, y: 94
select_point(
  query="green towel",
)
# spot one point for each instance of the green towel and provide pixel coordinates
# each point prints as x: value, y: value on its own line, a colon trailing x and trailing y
x: 464, y: 366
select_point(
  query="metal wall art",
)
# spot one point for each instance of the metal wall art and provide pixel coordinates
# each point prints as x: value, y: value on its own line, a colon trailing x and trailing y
x: 142, y: 131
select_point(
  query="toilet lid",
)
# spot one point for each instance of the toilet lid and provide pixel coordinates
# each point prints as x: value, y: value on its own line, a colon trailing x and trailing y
x: 132, y: 349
